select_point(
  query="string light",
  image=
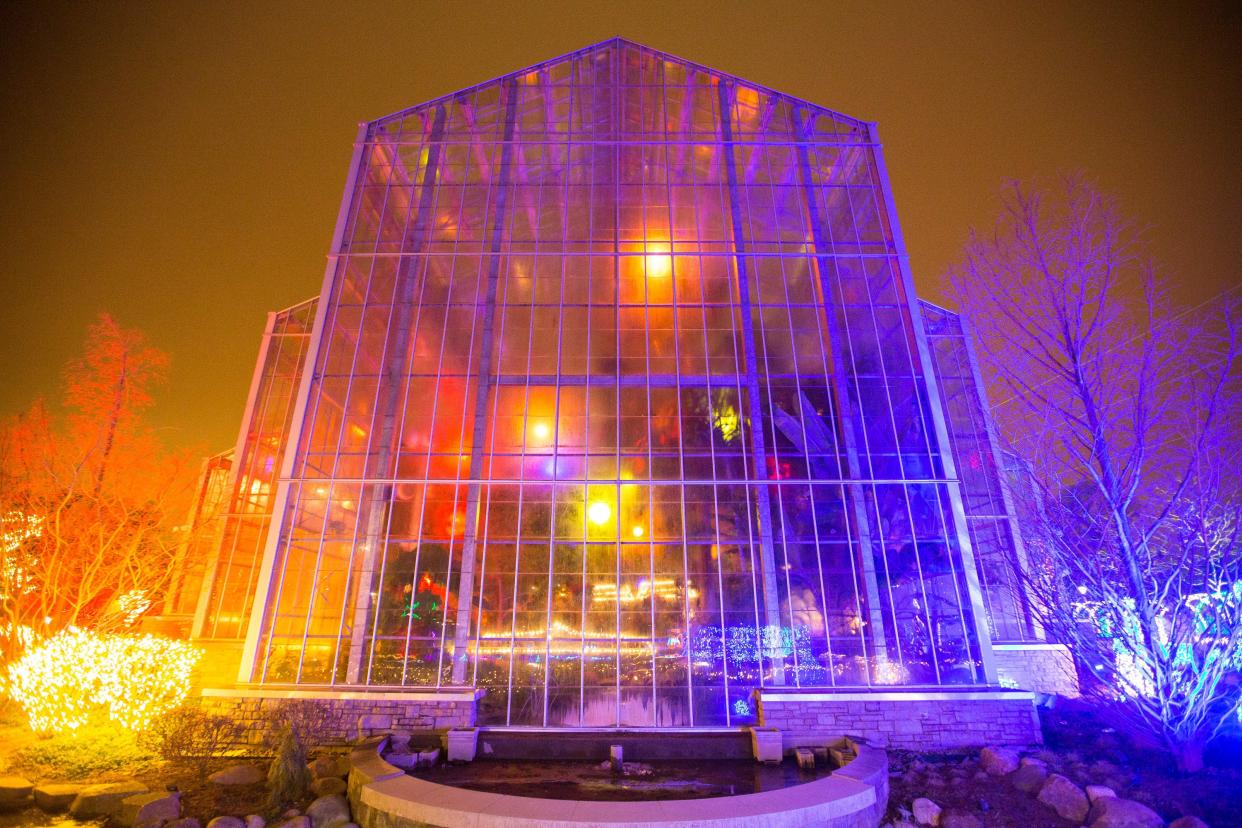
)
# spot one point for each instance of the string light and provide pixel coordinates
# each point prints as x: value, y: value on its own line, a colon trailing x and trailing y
x: 76, y: 673
x: 133, y: 604
x: 15, y: 529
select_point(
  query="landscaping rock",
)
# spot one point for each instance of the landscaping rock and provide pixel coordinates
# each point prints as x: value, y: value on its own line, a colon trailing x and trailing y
x: 328, y: 811
x: 327, y: 786
x: 1188, y: 822
x: 1064, y: 797
x: 1029, y: 778
x: 55, y: 796
x: 1095, y: 792
x: 226, y: 822
x: 405, y: 761
x: 998, y: 761
x: 1111, y: 812
x: 959, y: 819
x: 255, y: 821
x: 328, y: 766
x: 925, y: 811
x: 14, y: 791
x: 399, y: 740
x: 238, y: 775
x: 184, y: 822
x: 150, y: 810
x: 295, y: 822
x: 104, y: 800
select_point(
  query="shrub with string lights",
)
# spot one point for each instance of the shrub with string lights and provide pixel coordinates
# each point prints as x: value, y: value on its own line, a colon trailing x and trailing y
x: 77, y: 674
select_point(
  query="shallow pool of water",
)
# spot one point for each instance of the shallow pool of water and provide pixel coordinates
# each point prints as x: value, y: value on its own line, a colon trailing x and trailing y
x: 643, y: 781
x: 35, y: 818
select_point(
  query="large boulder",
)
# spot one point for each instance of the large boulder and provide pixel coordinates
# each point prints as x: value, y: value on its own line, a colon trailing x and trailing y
x: 226, y: 822
x: 1064, y: 797
x: 1188, y: 822
x: 925, y: 811
x: 328, y: 785
x: 998, y: 761
x: 104, y: 800
x: 330, y: 811
x: 1111, y: 812
x: 14, y: 792
x: 150, y: 810
x: 959, y: 819
x: 1095, y: 792
x: 330, y: 766
x: 55, y: 796
x: 238, y: 775
x: 1029, y: 778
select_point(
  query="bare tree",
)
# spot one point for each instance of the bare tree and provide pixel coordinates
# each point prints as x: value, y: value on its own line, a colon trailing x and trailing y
x: 1123, y: 409
x: 89, y: 507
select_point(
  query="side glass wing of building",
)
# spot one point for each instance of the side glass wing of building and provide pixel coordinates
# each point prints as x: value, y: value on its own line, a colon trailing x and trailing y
x: 228, y: 589
x: 995, y: 534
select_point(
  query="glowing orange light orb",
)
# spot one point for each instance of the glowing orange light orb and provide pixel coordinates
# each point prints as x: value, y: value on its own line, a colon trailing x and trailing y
x: 659, y: 265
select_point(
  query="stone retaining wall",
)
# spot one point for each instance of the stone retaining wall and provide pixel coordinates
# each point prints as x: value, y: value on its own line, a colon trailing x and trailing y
x: 351, y: 715
x: 903, y: 719
x: 1043, y: 668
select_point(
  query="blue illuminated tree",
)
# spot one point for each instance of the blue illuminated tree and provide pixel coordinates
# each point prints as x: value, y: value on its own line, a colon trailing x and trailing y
x: 1122, y: 410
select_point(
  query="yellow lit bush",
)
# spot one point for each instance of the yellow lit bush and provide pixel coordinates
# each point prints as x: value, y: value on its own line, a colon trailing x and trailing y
x: 77, y: 674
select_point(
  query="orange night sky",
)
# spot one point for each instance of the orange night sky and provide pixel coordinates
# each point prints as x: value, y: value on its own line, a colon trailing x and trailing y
x: 180, y: 165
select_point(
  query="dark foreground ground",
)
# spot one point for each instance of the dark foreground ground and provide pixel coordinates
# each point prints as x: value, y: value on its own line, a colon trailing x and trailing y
x: 1080, y: 745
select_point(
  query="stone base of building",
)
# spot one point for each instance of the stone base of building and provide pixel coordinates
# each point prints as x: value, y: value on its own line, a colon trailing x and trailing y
x: 1042, y: 668
x: 348, y: 715
x: 909, y: 719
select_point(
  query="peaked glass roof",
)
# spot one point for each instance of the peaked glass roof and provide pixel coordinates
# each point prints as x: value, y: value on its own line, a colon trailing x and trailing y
x: 665, y: 94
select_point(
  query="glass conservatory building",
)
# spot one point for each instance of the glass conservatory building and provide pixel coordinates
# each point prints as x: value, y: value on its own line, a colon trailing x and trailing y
x: 616, y: 405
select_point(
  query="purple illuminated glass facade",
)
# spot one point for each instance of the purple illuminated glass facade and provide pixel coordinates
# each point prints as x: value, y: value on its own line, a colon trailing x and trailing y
x: 618, y: 406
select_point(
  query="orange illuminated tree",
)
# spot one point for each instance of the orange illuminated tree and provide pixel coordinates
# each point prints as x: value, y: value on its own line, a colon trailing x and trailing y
x: 90, y: 502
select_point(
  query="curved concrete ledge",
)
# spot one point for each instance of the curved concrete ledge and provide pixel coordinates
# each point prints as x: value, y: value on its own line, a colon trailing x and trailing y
x: 382, y: 796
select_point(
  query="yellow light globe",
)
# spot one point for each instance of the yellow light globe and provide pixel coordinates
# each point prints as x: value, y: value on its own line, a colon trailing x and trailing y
x: 599, y: 513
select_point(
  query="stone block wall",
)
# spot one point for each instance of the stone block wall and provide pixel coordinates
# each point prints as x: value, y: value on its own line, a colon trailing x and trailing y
x: 903, y: 719
x: 350, y: 716
x: 1042, y: 668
